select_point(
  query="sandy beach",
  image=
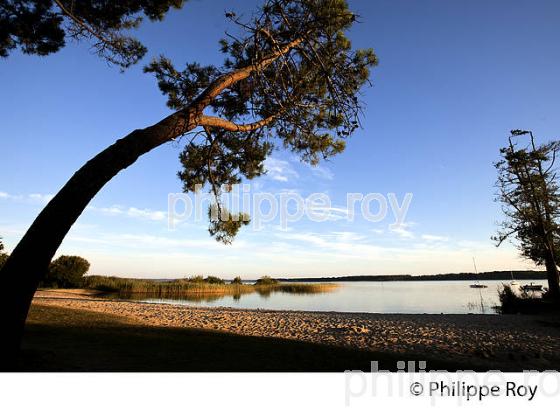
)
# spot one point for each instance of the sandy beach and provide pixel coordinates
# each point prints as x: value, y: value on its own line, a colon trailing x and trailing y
x: 505, y: 342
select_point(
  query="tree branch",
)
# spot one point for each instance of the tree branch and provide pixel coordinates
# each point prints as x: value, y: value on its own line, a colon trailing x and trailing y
x: 81, y: 23
x: 216, y: 122
x: 227, y: 80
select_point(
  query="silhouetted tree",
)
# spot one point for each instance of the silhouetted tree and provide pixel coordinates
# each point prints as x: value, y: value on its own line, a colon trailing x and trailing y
x: 290, y: 78
x: 66, y: 272
x: 42, y: 26
x: 237, y: 281
x: 3, y: 256
x: 528, y: 190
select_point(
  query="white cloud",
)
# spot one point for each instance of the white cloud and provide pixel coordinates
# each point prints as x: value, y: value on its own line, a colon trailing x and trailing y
x: 132, y: 212
x: 282, y: 254
x: 402, y: 230
x: 305, y: 237
x: 347, y: 236
x: 151, y: 242
x: 340, y: 240
x: 279, y: 170
x: 435, y: 238
x: 112, y: 210
x: 41, y: 199
x: 322, y: 172
x: 146, y: 214
x: 331, y: 213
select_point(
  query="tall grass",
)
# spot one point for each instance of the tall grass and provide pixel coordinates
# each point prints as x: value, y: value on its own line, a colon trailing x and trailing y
x: 125, y: 287
x: 299, y: 288
x: 196, y: 287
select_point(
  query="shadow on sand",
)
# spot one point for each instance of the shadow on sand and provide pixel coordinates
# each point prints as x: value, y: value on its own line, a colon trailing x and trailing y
x: 59, y: 339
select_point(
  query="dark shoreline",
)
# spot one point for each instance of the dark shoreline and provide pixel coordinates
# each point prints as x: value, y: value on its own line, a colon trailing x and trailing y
x: 494, y: 275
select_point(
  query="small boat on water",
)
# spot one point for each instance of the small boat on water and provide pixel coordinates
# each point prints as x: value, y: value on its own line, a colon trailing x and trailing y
x: 476, y: 285
x: 513, y: 281
x: 532, y: 287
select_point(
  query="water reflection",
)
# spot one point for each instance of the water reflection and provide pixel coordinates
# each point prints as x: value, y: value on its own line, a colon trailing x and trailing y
x: 196, y: 298
x: 373, y: 297
x: 223, y: 293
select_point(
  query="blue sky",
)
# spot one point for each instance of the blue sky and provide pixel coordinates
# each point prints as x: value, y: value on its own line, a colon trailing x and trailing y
x: 453, y: 79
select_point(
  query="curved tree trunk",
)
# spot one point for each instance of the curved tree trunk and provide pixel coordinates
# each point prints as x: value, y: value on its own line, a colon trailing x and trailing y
x: 29, y: 261
x: 553, y: 278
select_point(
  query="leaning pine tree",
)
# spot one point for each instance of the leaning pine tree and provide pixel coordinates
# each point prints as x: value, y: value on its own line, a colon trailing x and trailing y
x: 290, y: 78
x: 530, y: 196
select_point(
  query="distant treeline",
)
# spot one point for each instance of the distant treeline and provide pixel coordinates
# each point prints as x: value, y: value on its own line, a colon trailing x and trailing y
x: 495, y: 275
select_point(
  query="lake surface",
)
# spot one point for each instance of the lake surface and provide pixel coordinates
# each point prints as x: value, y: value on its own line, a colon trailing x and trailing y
x: 372, y: 297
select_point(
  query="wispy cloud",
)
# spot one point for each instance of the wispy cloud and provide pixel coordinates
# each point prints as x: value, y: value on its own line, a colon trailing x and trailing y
x: 331, y: 213
x: 114, y: 210
x: 304, y: 237
x: 348, y: 236
x: 280, y: 170
x: 435, y: 238
x: 403, y: 230
x: 41, y: 199
x: 338, y: 240
x: 321, y: 172
x: 146, y: 214
x: 131, y: 212
x: 283, y: 253
x: 158, y: 243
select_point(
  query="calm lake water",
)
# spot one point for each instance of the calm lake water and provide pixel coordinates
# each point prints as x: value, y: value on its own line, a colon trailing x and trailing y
x: 373, y: 297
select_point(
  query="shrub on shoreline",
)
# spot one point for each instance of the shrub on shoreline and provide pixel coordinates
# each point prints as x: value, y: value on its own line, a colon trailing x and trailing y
x: 512, y: 302
x: 266, y: 281
x: 66, y: 272
x: 214, y: 280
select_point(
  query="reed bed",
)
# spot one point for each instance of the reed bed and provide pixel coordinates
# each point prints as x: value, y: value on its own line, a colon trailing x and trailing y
x: 298, y: 288
x: 162, y: 288
x: 196, y: 287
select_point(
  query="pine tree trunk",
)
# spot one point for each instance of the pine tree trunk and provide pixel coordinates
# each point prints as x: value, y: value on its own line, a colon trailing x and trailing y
x: 29, y: 261
x: 553, y: 279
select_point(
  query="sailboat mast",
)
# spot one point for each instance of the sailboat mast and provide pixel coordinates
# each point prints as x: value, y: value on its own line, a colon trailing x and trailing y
x: 474, y: 263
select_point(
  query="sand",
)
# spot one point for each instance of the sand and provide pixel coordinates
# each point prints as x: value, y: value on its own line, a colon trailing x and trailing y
x: 487, y: 340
